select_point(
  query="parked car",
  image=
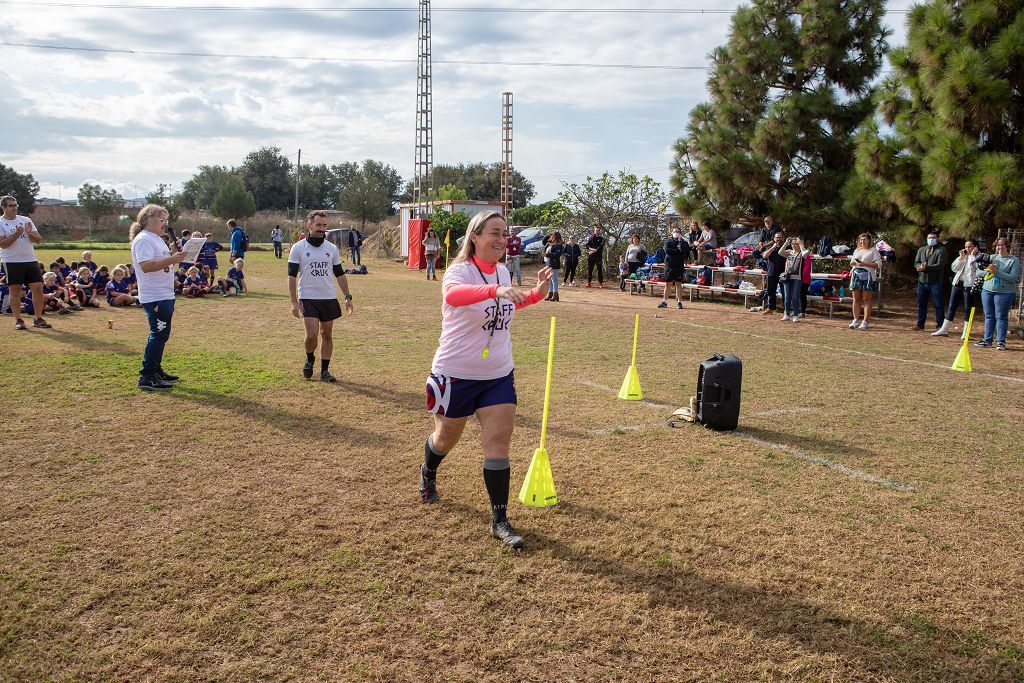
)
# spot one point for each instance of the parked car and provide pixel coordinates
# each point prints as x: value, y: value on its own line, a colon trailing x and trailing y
x: 744, y: 246
x: 532, y: 237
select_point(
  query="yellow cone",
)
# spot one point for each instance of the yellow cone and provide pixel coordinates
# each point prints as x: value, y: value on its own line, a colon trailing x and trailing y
x: 631, y: 385
x: 963, y: 360
x: 630, y: 390
x: 539, y: 486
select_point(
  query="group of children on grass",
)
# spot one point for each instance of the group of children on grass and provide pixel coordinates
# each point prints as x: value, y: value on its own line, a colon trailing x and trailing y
x: 82, y: 284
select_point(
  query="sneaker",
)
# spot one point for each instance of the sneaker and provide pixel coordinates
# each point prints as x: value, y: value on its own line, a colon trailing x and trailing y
x: 983, y: 344
x: 63, y: 311
x: 679, y: 304
x: 154, y: 384
x: 506, y: 533
x: 855, y: 324
x: 864, y: 325
x: 327, y: 377
x: 755, y: 309
x: 795, y: 319
x: 166, y: 377
x: 803, y: 315
x: 766, y: 311
x: 76, y: 307
x: 19, y: 324
x: 784, y: 318
x: 40, y: 323
x: 589, y: 285
x: 428, y: 488
x: 307, y: 370
x: 663, y: 304
x: 1001, y: 346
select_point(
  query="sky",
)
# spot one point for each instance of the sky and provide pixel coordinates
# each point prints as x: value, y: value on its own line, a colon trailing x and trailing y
x: 291, y: 78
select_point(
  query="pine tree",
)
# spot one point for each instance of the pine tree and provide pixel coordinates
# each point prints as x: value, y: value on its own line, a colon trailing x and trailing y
x: 950, y: 155
x: 233, y: 200
x: 788, y: 90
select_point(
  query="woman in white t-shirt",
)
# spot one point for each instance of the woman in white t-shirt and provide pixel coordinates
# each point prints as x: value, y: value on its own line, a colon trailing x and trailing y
x: 472, y: 372
x: 866, y: 267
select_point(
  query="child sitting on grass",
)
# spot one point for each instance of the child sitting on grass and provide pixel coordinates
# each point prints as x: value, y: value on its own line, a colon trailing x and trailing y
x: 56, y: 297
x: 101, y: 277
x: 85, y: 288
x: 204, y: 278
x: 193, y: 287
x: 117, y: 290
x: 5, y: 292
x: 133, y: 285
x: 88, y: 262
x: 65, y: 269
x: 55, y: 269
x: 234, y: 283
x: 179, y: 278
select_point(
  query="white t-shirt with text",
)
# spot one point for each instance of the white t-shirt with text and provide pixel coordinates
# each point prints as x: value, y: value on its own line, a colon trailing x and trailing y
x: 158, y: 285
x: 22, y: 250
x: 316, y: 269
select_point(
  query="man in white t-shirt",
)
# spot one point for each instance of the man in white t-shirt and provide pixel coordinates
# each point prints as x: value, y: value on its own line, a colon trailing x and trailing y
x: 17, y: 235
x: 154, y: 272
x: 313, y: 266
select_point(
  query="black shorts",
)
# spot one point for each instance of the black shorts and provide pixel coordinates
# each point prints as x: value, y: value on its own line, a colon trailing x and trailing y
x: 675, y: 274
x: 24, y: 273
x: 324, y: 310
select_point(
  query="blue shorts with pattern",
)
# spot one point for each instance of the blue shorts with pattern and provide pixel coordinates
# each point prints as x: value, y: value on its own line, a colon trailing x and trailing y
x: 454, y: 397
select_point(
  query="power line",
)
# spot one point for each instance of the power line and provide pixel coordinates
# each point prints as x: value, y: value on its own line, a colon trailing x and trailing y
x: 481, y: 10
x: 372, y: 60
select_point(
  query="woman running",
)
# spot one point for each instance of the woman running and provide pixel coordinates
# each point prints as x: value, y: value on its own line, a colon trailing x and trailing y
x: 472, y: 373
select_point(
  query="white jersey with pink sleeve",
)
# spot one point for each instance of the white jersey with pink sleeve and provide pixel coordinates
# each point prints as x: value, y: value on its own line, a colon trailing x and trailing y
x: 467, y: 330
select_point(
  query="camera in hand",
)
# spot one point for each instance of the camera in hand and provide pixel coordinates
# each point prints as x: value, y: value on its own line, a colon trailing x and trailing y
x: 981, y: 261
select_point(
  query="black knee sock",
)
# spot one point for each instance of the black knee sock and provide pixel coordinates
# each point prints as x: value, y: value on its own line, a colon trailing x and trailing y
x: 324, y: 362
x: 497, y: 474
x: 431, y: 459
x: 309, y: 357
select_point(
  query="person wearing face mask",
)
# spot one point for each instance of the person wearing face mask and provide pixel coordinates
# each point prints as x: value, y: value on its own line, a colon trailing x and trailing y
x: 965, y: 274
x: 997, y: 293
x: 313, y: 266
x: 677, y: 250
x: 930, y: 262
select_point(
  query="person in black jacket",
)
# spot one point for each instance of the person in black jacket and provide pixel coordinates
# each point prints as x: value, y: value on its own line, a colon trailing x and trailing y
x: 571, y: 254
x: 776, y: 266
x: 595, y: 256
x: 553, y: 260
x: 677, y: 250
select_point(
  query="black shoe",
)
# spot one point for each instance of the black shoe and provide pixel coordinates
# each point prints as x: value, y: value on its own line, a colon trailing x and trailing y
x: 504, y: 532
x: 327, y: 377
x: 307, y: 370
x: 154, y: 384
x: 428, y: 488
x: 164, y: 377
x: 19, y: 324
x: 39, y: 322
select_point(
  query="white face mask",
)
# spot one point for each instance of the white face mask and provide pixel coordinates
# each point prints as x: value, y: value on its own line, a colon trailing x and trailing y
x: 932, y: 241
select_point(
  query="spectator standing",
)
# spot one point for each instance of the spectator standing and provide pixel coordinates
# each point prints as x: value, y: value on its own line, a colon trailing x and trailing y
x: 238, y: 240
x: 965, y: 274
x: 513, y: 254
x: 572, y: 254
x: 636, y: 255
x: 676, y: 252
x: 275, y: 237
x: 431, y: 250
x: 355, y: 241
x: 764, y: 238
x: 18, y: 234
x: 792, y: 277
x: 997, y: 294
x: 553, y: 260
x: 776, y: 266
x: 595, y: 257
x: 866, y: 265
x: 930, y: 262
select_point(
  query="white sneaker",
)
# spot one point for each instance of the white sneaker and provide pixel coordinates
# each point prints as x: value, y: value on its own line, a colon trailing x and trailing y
x: 785, y: 318
x: 795, y: 319
x: 854, y: 324
x: 863, y: 325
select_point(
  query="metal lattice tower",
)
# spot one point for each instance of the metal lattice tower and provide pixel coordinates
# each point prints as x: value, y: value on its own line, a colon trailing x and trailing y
x: 506, y: 153
x: 423, y: 179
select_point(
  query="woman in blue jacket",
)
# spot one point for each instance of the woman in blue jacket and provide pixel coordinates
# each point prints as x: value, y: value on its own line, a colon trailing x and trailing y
x: 997, y: 293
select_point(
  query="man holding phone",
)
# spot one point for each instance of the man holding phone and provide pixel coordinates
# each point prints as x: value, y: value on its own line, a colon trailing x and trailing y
x: 17, y: 235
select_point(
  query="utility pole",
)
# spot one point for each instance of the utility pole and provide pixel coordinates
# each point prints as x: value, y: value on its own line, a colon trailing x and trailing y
x: 423, y: 181
x: 506, y: 154
x: 298, y: 170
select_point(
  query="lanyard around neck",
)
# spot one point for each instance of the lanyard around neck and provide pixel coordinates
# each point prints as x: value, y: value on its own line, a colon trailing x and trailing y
x: 497, y: 309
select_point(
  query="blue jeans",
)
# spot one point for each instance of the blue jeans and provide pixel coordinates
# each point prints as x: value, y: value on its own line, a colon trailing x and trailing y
x: 791, y: 302
x: 277, y: 249
x: 355, y: 255
x: 431, y: 264
x: 159, y: 314
x: 960, y: 294
x: 554, y: 281
x: 933, y: 290
x: 513, y: 268
x: 997, y: 314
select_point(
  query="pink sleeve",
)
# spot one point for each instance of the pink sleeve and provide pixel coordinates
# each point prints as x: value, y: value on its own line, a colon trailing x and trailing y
x: 464, y: 295
x: 532, y: 297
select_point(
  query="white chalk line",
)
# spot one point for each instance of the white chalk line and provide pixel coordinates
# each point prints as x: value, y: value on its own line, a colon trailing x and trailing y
x: 789, y: 450
x: 830, y: 464
x: 644, y: 401
x: 868, y: 354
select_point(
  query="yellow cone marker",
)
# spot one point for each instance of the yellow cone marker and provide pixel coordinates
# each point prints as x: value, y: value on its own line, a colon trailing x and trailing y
x: 963, y: 358
x: 539, y: 486
x: 631, y: 383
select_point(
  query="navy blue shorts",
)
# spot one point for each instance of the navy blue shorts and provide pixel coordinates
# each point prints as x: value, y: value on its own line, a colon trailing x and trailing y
x: 454, y: 397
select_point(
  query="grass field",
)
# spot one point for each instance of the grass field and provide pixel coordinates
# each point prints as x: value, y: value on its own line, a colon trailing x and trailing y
x: 864, y: 524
